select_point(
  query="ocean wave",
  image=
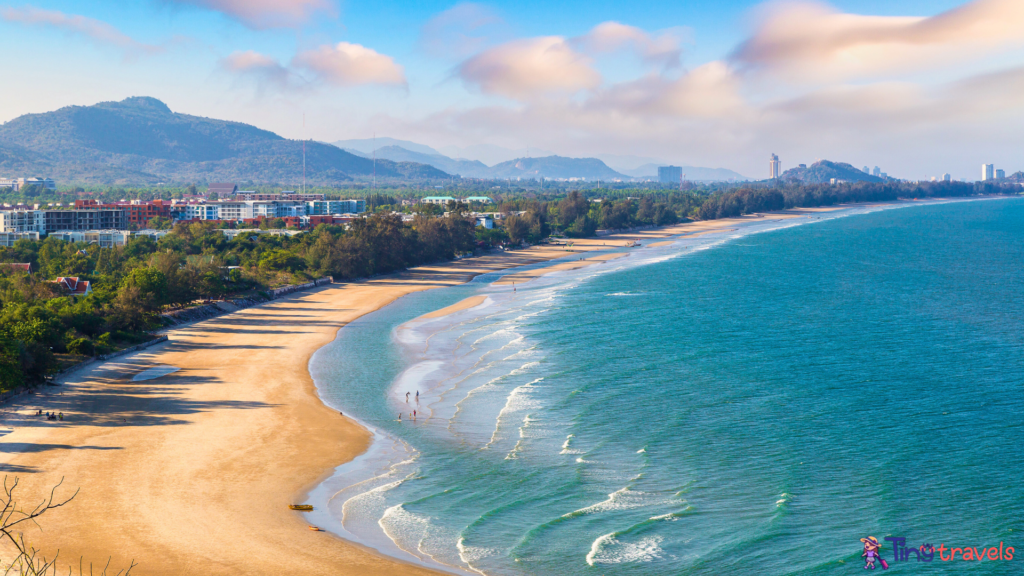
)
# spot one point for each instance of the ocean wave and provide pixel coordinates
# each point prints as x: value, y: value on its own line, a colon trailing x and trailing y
x: 519, y: 399
x: 608, y: 549
x: 405, y: 529
x: 565, y: 446
x: 470, y: 554
x: 621, y: 499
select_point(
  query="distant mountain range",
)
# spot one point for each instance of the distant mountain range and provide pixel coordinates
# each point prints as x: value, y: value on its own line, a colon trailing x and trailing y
x: 535, y: 166
x: 823, y: 171
x: 141, y: 141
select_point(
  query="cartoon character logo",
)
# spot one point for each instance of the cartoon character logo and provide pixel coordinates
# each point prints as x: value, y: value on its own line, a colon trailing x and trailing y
x: 870, y: 555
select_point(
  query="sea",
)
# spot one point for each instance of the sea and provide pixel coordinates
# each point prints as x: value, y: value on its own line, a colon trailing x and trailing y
x: 752, y: 401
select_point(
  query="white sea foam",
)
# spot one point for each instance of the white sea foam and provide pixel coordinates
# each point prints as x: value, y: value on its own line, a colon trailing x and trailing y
x: 404, y: 528
x: 470, y: 554
x: 518, y: 400
x: 621, y: 499
x: 608, y: 549
x: 514, y: 453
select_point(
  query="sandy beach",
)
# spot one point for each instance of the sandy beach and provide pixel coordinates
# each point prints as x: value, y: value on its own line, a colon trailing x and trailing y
x: 193, y: 471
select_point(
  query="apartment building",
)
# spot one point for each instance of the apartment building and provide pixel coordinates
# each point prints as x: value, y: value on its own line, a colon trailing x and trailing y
x: 99, y: 219
x: 22, y: 221
x: 325, y: 207
x: 137, y: 212
x: 7, y: 239
x: 286, y: 195
x: 102, y: 238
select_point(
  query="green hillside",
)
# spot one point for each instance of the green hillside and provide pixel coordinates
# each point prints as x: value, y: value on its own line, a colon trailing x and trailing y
x: 141, y: 141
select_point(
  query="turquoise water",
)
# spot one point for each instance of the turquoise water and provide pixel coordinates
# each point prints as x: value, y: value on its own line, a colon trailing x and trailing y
x: 751, y: 402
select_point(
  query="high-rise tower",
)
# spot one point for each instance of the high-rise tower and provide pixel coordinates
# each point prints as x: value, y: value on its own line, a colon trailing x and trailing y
x: 774, y: 167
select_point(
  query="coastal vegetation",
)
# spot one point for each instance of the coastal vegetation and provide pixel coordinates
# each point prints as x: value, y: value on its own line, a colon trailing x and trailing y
x: 133, y: 284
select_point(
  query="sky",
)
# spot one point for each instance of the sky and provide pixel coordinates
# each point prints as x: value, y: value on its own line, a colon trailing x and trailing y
x: 916, y: 87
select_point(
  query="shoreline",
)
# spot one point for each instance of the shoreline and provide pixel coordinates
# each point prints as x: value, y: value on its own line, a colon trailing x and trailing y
x: 357, y: 472
x: 191, y: 482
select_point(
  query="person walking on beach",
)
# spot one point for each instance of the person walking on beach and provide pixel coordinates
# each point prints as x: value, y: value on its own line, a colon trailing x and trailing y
x: 60, y: 416
x: 413, y: 414
x: 399, y: 416
x: 417, y: 396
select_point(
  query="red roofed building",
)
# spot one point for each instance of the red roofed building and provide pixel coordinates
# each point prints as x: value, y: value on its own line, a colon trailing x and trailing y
x: 74, y: 286
x: 17, y: 266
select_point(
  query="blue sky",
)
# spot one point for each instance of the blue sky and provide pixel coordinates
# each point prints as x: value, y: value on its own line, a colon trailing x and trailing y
x: 918, y: 87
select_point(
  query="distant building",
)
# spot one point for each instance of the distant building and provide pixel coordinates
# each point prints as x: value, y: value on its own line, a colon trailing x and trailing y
x: 480, y: 199
x: 286, y: 195
x: 222, y: 189
x: 988, y: 172
x: 437, y: 200
x: 774, y: 167
x: 7, y: 239
x: 670, y: 174
x: 947, y: 178
x: 17, y: 267
x: 1000, y: 173
x: 867, y: 170
x: 327, y: 207
x: 102, y: 238
x: 485, y: 221
x: 74, y: 286
x: 102, y: 219
x: 16, y: 184
x: 22, y: 221
x: 877, y: 172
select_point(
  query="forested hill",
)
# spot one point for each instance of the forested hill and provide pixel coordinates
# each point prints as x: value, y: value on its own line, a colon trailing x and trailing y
x: 555, y: 167
x: 141, y: 141
x: 823, y: 171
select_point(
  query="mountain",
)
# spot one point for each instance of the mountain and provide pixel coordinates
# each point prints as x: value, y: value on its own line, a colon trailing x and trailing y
x: 367, y: 145
x: 695, y: 173
x: 546, y: 167
x: 490, y: 154
x: 141, y: 141
x: 556, y: 167
x: 823, y: 171
x: 466, y: 168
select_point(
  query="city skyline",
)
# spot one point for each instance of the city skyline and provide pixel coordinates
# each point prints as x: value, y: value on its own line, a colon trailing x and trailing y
x: 909, y: 83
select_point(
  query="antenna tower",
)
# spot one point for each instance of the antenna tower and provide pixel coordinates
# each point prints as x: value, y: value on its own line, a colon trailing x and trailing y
x: 303, y: 152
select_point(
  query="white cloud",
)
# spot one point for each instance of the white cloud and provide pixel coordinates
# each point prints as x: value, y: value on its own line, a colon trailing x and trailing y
x: 264, y: 14
x: 95, y: 30
x: 523, y: 69
x: 663, y: 49
x: 347, y: 64
x: 811, y: 41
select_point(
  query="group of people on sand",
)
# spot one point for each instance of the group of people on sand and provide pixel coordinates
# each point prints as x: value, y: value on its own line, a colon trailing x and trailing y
x: 407, y: 401
x: 52, y: 415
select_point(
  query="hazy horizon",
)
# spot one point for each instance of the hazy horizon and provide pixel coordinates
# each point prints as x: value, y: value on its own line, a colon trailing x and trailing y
x: 917, y: 88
